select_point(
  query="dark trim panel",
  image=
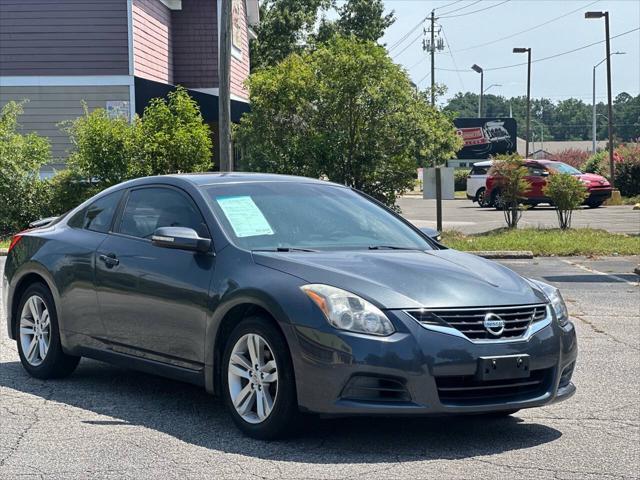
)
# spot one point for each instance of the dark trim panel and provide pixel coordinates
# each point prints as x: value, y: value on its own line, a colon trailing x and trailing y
x: 148, y: 89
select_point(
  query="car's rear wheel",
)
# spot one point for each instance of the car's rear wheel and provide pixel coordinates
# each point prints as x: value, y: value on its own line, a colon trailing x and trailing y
x: 38, y: 336
x: 497, y: 200
x: 259, y: 385
x: 482, y: 199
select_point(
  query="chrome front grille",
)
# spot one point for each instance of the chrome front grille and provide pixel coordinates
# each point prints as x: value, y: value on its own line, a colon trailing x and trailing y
x: 471, y: 321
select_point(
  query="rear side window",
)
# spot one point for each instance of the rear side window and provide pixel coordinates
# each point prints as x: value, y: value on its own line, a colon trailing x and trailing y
x: 151, y: 208
x: 479, y: 170
x: 99, y: 215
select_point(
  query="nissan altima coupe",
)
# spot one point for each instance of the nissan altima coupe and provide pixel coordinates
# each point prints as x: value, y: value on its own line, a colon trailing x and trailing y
x: 283, y: 295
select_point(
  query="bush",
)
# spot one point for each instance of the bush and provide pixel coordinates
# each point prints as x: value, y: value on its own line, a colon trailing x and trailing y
x: 598, y: 163
x: 23, y: 196
x: 68, y: 189
x: 567, y: 193
x: 627, y: 170
x: 104, y: 147
x: 460, y: 180
x: 510, y: 174
x: 172, y: 137
x: 571, y: 156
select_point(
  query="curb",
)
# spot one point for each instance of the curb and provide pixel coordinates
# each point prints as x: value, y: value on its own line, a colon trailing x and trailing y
x: 3, y: 252
x: 505, y: 254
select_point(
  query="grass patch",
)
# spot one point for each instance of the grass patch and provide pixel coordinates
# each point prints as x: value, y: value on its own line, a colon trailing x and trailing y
x: 4, y: 242
x: 579, y: 241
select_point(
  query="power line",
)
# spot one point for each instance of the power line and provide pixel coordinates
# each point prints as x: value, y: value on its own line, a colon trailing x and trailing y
x: 452, y: 57
x: 543, y: 58
x: 474, y: 11
x: 527, y: 30
x: 412, y: 42
x: 462, y: 8
x: 448, y: 5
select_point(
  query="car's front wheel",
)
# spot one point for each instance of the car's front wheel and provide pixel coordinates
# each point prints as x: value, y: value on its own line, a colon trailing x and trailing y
x: 259, y: 385
x: 38, y: 336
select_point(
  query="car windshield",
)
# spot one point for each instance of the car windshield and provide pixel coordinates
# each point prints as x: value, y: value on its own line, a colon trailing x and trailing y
x: 307, y: 216
x: 560, y: 167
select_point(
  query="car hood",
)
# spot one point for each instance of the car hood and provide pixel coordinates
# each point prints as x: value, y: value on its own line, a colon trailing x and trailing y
x: 593, y: 178
x: 402, y: 279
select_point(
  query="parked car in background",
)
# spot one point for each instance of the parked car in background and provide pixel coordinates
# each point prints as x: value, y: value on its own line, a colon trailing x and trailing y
x: 283, y: 295
x: 476, y: 183
x: 598, y: 187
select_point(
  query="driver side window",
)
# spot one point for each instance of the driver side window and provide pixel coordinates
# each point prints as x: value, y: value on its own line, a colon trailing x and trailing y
x: 150, y: 208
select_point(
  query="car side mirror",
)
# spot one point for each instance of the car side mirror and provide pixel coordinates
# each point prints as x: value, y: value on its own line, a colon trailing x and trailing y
x: 432, y: 233
x: 180, y: 238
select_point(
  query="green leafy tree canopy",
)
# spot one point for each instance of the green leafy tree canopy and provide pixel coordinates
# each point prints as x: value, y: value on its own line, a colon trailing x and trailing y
x: 346, y: 112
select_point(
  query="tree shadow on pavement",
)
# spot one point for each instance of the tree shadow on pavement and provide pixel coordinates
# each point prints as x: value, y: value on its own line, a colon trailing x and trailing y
x: 125, y: 398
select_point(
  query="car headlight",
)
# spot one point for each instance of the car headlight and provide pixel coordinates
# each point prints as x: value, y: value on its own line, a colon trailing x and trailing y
x: 555, y: 298
x: 347, y: 311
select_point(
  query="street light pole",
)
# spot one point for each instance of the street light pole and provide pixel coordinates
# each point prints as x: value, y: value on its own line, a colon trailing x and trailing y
x: 478, y: 69
x: 590, y: 15
x: 528, y: 52
x: 594, y: 127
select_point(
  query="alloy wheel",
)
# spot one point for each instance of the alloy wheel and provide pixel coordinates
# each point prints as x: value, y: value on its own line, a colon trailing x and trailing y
x: 35, y: 330
x: 253, y: 378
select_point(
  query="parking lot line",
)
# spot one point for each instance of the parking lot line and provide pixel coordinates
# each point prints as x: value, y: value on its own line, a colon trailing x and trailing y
x: 598, y: 272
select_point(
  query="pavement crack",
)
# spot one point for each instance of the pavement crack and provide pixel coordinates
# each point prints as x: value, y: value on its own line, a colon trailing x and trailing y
x: 604, y: 333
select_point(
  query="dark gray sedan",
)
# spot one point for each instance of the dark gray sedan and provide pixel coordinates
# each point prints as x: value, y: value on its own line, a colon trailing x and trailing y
x: 283, y: 295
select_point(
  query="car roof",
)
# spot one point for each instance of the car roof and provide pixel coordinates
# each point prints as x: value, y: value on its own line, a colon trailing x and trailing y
x: 485, y: 163
x: 203, y: 179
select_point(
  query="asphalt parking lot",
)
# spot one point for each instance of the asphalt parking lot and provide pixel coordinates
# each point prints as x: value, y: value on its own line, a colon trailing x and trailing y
x: 467, y: 217
x: 108, y: 422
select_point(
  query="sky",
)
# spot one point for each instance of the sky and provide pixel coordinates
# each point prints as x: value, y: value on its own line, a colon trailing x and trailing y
x: 559, y: 78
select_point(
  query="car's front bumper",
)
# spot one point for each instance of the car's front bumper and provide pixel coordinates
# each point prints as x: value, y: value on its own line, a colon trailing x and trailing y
x: 429, y: 366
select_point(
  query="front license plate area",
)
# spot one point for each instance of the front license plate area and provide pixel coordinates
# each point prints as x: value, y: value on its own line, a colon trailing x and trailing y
x: 501, y: 368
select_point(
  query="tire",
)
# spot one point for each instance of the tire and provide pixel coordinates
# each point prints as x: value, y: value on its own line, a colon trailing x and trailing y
x: 594, y: 204
x: 282, y: 419
x: 483, y: 202
x: 39, y: 359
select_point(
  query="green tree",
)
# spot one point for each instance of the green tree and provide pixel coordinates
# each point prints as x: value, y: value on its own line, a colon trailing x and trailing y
x: 364, y: 19
x: 344, y: 111
x: 23, y: 195
x: 511, y: 186
x: 103, y: 147
x: 567, y: 193
x: 172, y: 137
x: 283, y: 29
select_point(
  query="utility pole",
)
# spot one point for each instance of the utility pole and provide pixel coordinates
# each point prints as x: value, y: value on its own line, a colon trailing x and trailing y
x: 594, y: 126
x: 224, y: 98
x: 433, y: 58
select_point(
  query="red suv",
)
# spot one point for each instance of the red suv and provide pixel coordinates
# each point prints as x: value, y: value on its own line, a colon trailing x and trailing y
x: 598, y: 187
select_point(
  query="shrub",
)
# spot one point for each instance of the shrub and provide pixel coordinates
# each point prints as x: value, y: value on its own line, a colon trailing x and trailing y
x: 69, y: 189
x: 460, y: 179
x: 172, y: 137
x: 598, y: 163
x: 510, y: 174
x: 571, y: 156
x: 104, y: 147
x: 567, y: 193
x: 627, y: 170
x: 23, y: 196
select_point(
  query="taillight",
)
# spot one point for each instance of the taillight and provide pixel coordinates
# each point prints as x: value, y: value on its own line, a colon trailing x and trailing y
x: 14, y: 241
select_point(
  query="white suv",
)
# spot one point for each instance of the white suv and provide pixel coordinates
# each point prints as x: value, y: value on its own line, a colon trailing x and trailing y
x: 476, y: 183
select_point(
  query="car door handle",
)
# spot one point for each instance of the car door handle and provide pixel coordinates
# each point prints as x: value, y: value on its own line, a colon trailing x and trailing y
x: 109, y: 260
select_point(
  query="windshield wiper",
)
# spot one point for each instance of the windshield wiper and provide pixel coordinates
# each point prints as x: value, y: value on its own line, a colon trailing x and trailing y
x: 390, y: 247
x: 284, y: 249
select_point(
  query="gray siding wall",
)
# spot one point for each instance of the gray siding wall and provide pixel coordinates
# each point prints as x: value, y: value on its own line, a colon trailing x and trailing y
x: 48, y: 106
x: 63, y: 37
